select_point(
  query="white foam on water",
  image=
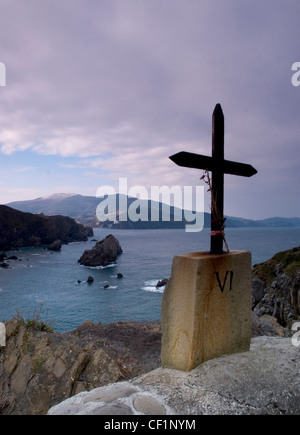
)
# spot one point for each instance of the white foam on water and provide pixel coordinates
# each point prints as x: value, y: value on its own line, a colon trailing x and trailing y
x: 102, y: 267
x: 150, y: 286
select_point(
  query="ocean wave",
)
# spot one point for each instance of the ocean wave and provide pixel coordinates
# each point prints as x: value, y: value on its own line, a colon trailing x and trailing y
x: 150, y: 286
x: 102, y: 267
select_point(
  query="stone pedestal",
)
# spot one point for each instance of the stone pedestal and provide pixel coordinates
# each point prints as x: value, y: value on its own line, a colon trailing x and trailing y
x: 206, y: 308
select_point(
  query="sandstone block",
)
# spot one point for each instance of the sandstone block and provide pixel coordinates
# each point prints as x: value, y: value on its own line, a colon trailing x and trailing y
x: 206, y: 308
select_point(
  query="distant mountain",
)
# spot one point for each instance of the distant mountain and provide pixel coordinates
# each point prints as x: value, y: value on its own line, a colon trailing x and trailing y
x: 19, y: 229
x: 80, y: 208
x: 280, y: 222
x: 232, y: 222
x: 83, y: 210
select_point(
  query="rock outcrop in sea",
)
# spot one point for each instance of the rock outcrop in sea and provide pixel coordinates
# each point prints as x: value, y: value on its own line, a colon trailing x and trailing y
x: 55, y: 246
x: 20, y: 230
x: 103, y: 253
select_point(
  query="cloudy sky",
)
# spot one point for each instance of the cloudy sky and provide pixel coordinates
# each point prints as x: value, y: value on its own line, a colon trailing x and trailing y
x: 102, y: 89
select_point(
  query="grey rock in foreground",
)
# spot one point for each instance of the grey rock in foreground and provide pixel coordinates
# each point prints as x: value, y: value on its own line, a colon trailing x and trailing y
x: 265, y: 380
x: 276, y: 288
x: 103, y: 253
x: 41, y: 369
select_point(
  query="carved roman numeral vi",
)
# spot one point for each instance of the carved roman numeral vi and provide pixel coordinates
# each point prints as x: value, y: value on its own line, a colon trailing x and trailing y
x: 222, y: 285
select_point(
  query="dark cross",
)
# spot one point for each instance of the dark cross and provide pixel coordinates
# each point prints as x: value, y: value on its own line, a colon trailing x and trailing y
x: 218, y: 166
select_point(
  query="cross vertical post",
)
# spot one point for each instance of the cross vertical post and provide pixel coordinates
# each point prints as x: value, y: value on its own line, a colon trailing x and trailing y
x: 217, y: 194
x: 218, y: 166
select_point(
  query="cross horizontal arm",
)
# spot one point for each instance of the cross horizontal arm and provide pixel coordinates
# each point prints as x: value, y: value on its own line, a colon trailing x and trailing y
x: 197, y: 161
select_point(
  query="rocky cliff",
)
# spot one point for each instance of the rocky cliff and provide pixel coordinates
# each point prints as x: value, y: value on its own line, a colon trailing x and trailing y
x: 18, y: 229
x: 276, y: 287
x: 39, y: 369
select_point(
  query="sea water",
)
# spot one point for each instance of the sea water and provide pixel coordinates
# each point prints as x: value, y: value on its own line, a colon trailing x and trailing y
x: 56, y: 281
